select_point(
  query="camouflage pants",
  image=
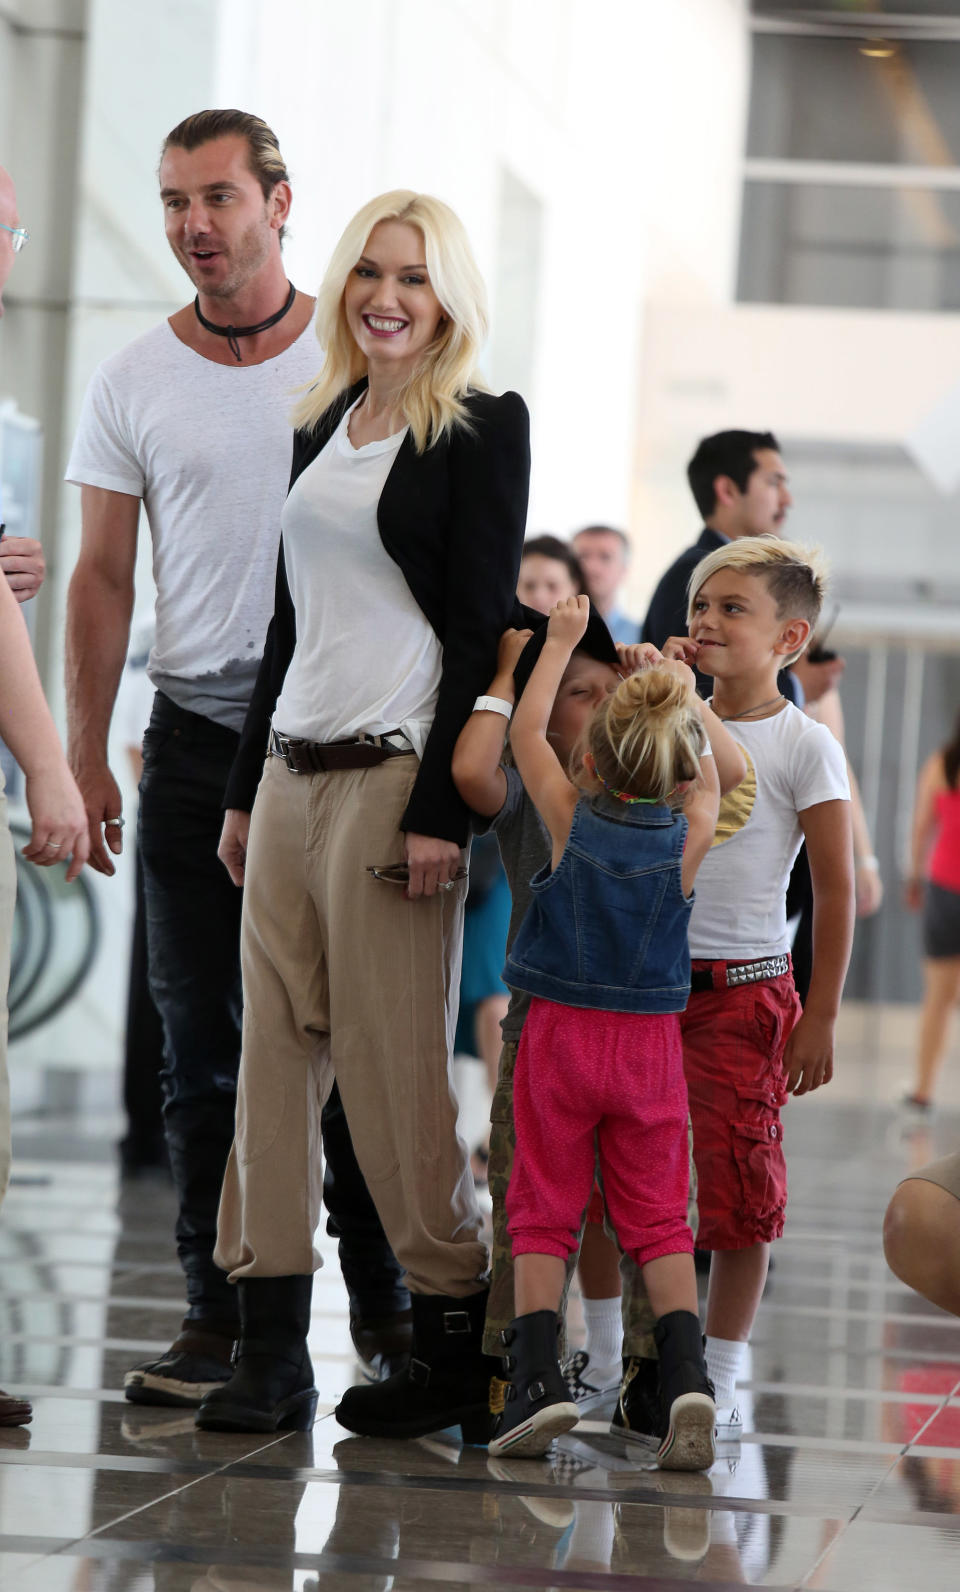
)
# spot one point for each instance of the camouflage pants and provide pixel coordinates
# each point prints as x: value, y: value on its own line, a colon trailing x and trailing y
x: 638, y: 1318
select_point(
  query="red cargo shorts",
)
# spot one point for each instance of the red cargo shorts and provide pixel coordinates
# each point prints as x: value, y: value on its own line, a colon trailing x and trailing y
x: 733, y: 1044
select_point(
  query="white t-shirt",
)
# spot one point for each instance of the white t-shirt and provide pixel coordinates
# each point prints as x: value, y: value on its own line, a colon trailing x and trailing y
x: 366, y: 658
x: 740, y: 909
x: 208, y: 448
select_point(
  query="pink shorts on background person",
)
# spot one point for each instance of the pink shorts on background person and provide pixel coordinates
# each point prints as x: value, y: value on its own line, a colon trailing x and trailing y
x: 617, y: 1076
x: 733, y: 1044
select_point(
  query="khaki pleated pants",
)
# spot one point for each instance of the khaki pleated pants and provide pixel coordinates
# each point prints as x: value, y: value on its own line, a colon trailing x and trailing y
x: 342, y: 976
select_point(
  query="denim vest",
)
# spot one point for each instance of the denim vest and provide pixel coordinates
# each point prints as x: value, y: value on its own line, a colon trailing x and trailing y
x: 607, y: 929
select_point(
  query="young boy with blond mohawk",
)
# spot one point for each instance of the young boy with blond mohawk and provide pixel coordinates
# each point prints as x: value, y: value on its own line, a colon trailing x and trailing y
x: 747, y: 1047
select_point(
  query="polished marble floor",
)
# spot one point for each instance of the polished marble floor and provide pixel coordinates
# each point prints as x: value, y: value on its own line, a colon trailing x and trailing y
x: 848, y: 1476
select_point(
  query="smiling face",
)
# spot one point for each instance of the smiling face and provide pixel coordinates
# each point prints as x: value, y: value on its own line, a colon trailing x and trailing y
x: 217, y: 222
x: 391, y: 309
x: 585, y: 684
x: 739, y: 632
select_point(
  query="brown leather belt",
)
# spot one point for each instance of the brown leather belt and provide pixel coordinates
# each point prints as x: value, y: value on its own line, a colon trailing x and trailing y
x: 323, y: 757
x: 731, y: 975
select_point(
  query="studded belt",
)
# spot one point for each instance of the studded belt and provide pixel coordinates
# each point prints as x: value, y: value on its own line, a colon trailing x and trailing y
x: 730, y: 975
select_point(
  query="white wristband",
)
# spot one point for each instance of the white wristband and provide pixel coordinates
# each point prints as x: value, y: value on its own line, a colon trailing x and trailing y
x: 868, y: 862
x: 488, y: 704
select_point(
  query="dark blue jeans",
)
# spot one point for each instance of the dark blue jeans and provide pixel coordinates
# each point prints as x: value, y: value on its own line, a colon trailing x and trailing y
x: 193, y: 938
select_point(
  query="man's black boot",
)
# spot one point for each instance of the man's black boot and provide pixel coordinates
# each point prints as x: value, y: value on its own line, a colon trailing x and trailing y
x: 272, y: 1385
x: 446, y: 1383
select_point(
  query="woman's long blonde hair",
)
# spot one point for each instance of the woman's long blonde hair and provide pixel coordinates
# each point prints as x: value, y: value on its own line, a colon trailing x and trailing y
x: 432, y: 399
x: 647, y: 737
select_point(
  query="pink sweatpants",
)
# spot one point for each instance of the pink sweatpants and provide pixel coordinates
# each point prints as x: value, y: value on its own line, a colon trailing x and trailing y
x: 614, y: 1079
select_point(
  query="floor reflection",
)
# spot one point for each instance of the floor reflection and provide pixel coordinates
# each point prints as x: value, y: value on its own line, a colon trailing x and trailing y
x: 847, y: 1476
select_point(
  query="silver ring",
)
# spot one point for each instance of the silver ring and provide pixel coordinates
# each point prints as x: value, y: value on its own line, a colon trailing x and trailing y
x: 116, y: 822
x: 447, y: 886
x: 54, y: 845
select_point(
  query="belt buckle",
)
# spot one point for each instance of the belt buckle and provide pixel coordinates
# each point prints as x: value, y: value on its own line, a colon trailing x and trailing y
x: 286, y: 745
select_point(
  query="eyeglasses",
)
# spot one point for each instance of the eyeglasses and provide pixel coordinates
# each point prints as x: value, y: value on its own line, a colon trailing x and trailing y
x: 20, y: 236
x: 399, y: 873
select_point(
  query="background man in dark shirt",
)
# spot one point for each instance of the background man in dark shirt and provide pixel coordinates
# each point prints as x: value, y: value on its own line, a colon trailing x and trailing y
x: 740, y: 486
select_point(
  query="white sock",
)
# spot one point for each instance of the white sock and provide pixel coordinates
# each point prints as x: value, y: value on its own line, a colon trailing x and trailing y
x: 726, y: 1358
x: 604, y: 1335
x: 591, y: 1541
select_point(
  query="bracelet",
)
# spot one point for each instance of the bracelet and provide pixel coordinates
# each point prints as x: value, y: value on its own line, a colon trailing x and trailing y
x: 489, y: 704
x: 867, y: 862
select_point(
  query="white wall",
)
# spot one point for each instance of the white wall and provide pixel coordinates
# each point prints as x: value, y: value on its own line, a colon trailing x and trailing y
x: 822, y: 376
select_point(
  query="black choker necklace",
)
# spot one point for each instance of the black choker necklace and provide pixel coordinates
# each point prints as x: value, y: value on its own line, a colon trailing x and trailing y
x: 231, y: 333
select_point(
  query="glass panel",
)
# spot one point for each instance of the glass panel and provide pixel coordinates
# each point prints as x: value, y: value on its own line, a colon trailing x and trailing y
x: 823, y: 9
x: 853, y: 248
x: 825, y: 99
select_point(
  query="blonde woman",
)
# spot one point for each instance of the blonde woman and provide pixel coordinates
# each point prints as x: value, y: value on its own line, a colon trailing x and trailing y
x: 401, y: 545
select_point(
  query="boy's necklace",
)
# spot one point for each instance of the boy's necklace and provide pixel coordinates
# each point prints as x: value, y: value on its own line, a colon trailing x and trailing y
x: 728, y: 718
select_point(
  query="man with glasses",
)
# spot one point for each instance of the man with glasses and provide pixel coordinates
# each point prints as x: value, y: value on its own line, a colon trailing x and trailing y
x: 21, y: 557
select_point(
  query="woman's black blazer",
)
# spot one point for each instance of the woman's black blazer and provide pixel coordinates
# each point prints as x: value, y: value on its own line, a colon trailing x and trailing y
x: 453, y: 518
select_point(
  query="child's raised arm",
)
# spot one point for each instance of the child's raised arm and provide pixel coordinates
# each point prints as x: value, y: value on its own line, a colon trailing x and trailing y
x: 476, y: 757
x: 731, y: 763
x: 700, y: 810
x: 547, y: 785
x: 702, y: 802
x: 730, y: 760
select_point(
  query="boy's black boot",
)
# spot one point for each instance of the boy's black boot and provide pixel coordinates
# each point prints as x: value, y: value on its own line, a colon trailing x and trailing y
x: 538, y: 1405
x: 447, y: 1382
x: 686, y: 1394
x: 272, y: 1385
x: 637, y: 1417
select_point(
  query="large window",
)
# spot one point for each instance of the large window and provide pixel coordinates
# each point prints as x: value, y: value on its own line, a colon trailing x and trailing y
x: 855, y: 99
x: 852, y: 175
x: 850, y: 246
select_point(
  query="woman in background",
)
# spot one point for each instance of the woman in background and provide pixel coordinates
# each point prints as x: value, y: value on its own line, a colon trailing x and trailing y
x: 550, y: 572
x: 934, y: 886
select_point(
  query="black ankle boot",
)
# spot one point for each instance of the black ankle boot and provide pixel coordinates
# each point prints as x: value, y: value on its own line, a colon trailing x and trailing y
x: 272, y: 1385
x: 382, y: 1342
x: 686, y: 1394
x: 447, y: 1382
x: 538, y: 1405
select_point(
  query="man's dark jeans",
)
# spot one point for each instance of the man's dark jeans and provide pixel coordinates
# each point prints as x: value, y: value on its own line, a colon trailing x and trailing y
x: 193, y: 937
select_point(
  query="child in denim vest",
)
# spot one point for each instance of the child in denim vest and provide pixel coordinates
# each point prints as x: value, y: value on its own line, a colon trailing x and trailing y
x: 603, y: 951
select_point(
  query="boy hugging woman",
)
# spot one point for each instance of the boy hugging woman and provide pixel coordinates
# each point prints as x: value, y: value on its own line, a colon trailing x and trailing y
x: 623, y: 788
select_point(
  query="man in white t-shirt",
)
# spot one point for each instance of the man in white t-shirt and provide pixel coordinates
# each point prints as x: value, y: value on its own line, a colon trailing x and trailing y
x: 746, y: 1044
x: 193, y: 421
